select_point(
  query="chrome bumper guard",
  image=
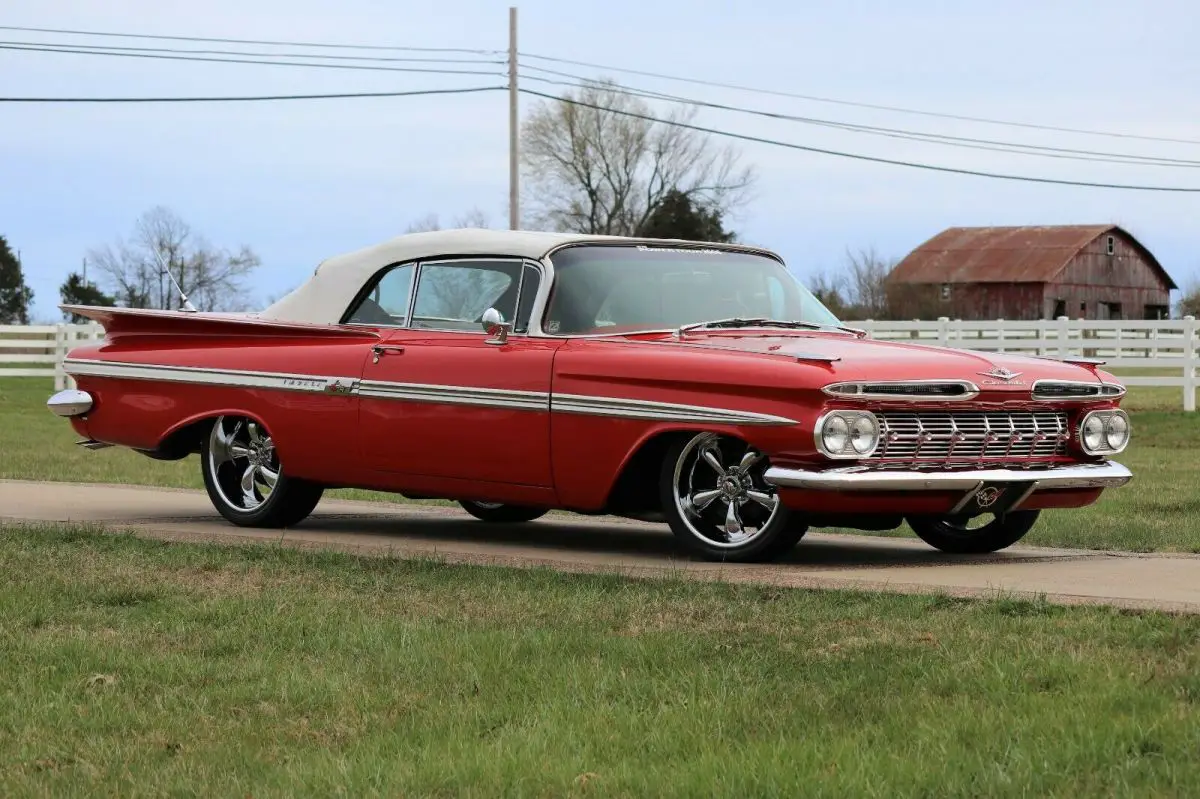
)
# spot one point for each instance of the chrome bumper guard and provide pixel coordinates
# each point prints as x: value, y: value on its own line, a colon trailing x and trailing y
x: 1084, y: 475
x: 972, y: 482
x: 71, y: 402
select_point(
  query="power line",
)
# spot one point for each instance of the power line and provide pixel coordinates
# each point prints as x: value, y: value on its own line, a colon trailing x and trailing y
x: 250, y: 98
x: 859, y: 156
x: 855, y: 104
x: 323, y: 57
x: 993, y: 145
x: 209, y: 59
x: 329, y: 45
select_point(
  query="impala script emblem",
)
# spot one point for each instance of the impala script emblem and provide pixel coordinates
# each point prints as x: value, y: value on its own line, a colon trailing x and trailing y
x: 1001, y: 375
x: 986, y: 497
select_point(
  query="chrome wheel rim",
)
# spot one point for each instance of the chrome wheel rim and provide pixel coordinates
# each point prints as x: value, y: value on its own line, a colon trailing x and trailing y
x: 243, y: 463
x: 720, y: 492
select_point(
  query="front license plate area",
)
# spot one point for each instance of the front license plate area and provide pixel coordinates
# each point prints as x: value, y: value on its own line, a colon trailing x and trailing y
x: 997, y: 498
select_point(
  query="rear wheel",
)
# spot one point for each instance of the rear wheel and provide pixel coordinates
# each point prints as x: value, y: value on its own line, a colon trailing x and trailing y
x: 500, y: 513
x: 719, y: 505
x: 973, y: 536
x: 246, y: 481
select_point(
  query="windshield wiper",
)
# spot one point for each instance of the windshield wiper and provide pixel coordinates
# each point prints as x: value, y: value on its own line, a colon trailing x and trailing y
x: 736, y: 321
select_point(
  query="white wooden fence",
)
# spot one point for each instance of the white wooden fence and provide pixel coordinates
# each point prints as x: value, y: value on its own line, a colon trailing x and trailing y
x: 39, y: 350
x: 1168, y: 347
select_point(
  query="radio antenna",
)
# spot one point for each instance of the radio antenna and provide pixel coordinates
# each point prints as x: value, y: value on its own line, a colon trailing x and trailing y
x: 187, y: 304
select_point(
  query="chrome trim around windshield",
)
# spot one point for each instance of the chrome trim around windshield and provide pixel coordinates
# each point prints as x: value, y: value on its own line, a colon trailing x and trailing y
x: 1085, y: 475
x: 970, y: 390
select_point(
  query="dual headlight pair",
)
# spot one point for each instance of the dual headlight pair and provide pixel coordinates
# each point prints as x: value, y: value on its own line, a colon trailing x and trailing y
x: 1104, y: 432
x: 855, y: 434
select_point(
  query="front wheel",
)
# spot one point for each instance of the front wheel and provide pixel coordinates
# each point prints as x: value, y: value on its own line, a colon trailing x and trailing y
x: 957, y: 536
x: 245, y: 480
x: 500, y: 513
x: 717, y: 502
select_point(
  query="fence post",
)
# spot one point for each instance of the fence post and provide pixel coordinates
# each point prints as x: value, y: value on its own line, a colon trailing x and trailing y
x: 999, y: 334
x: 1189, y: 363
x: 60, y: 353
x: 943, y: 331
x: 1063, y: 334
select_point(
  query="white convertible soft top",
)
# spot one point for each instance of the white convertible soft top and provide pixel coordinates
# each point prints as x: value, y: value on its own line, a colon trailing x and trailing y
x: 325, y: 296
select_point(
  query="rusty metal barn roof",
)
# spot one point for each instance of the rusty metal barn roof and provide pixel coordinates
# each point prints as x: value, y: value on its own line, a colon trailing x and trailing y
x: 1026, y: 254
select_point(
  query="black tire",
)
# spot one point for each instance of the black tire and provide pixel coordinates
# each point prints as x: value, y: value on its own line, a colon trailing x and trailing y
x: 500, y: 513
x: 287, y: 503
x: 950, y: 534
x: 776, y: 530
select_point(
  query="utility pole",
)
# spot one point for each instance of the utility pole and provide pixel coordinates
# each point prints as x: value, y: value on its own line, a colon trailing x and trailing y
x: 85, y: 271
x: 514, y: 171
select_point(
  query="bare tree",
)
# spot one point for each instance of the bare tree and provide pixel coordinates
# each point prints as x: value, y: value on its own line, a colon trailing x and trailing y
x: 1189, y: 303
x: 866, y: 279
x: 475, y: 218
x: 134, y: 270
x: 599, y: 161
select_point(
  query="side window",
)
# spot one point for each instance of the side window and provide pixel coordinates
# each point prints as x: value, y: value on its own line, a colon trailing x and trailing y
x: 529, y: 286
x: 387, y: 303
x: 453, y: 296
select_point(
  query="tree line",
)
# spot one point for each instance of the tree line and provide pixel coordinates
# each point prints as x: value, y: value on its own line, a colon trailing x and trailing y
x: 597, y: 160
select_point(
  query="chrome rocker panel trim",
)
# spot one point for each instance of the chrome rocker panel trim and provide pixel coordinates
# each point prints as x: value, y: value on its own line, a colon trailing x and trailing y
x: 70, y: 402
x: 1087, y: 475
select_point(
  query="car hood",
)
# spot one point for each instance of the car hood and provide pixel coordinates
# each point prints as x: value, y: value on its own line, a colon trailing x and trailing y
x: 870, y: 359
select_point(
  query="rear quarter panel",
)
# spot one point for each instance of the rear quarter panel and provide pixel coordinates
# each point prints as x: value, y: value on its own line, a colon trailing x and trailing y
x: 314, y: 433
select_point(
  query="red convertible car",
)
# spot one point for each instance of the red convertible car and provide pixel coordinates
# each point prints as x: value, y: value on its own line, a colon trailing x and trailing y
x: 517, y: 372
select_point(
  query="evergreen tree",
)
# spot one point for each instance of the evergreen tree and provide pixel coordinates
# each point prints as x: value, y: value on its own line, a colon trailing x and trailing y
x: 76, y: 292
x: 678, y: 217
x: 15, y: 296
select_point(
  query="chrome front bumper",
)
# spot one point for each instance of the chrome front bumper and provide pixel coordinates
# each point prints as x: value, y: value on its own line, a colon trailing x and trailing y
x: 1084, y: 475
x: 71, y: 402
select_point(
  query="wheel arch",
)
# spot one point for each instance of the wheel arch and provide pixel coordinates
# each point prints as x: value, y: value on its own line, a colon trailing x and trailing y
x: 186, y: 436
x: 636, y: 485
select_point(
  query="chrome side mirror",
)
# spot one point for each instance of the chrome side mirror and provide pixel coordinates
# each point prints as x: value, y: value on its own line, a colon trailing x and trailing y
x: 496, y: 327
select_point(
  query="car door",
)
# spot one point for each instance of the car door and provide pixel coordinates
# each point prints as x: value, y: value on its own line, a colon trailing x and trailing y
x: 440, y: 398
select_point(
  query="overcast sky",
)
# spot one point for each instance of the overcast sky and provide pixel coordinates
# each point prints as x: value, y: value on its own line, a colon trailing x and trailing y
x: 300, y: 181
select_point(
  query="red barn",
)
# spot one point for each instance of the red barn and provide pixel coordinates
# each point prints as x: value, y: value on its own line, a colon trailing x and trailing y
x: 1036, y: 272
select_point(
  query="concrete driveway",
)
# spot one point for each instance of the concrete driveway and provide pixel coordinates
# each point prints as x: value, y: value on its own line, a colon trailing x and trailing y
x: 591, y: 544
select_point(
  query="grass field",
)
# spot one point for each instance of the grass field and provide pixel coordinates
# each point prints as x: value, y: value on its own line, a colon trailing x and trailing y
x: 1157, y: 512
x: 135, y: 667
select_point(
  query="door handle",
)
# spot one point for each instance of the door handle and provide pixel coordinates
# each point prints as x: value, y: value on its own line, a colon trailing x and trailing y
x: 379, y: 349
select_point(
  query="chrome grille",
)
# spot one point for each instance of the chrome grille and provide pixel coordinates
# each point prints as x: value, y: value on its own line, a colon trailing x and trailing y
x: 1018, y: 436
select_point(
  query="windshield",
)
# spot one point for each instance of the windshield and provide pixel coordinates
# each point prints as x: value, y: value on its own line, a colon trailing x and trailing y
x: 621, y: 289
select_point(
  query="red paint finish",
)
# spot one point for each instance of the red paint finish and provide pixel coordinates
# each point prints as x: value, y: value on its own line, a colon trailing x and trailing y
x: 432, y: 446
x: 444, y: 439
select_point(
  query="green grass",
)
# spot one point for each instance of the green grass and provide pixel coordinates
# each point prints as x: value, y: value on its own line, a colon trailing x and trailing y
x: 136, y: 667
x: 1157, y: 512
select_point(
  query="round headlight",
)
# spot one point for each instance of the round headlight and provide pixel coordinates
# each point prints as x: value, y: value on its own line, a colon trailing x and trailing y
x: 1116, y: 432
x: 864, y: 434
x: 1093, y: 433
x: 835, y: 434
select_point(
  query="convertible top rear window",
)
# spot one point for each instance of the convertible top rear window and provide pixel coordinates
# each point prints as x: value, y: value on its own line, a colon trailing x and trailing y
x: 609, y: 289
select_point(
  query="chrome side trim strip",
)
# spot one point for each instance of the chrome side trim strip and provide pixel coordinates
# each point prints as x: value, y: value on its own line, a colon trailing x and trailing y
x: 660, y: 411
x: 1085, y: 475
x: 422, y: 392
x: 455, y: 395
x: 211, y: 377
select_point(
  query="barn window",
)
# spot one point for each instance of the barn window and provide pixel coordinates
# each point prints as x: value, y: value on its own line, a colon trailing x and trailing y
x: 945, y: 291
x: 1111, y: 245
